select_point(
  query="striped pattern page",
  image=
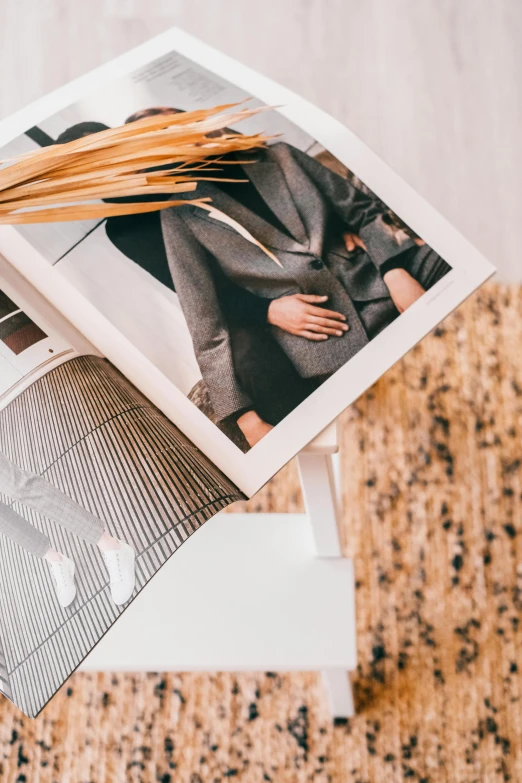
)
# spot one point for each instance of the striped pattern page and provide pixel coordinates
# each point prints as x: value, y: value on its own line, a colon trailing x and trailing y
x: 89, y: 432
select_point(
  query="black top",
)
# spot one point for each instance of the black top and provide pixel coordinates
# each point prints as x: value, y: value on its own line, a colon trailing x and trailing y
x: 139, y: 237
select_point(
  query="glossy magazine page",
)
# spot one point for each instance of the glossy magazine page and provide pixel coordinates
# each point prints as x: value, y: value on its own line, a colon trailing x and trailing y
x: 97, y: 490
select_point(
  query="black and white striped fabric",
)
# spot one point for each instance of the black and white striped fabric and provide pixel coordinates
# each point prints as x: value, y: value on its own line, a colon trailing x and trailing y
x: 89, y: 432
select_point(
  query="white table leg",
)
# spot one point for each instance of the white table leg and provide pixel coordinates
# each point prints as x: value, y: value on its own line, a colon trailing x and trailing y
x: 320, y: 496
x: 339, y: 691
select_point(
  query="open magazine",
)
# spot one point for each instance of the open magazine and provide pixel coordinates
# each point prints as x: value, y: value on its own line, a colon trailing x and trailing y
x: 155, y: 368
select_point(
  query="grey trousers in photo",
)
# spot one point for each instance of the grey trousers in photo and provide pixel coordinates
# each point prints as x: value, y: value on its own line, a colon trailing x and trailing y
x: 37, y: 493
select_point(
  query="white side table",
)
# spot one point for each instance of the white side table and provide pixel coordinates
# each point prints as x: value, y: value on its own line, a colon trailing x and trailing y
x: 251, y: 592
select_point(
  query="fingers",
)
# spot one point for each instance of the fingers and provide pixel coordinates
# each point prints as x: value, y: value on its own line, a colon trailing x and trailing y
x: 324, y: 330
x: 352, y: 241
x: 319, y: 321
x: 320, y: 312
x: 311, y: 298
x: 327, y: 326
x: 321, y: 328
x: 313, y: 335
x: 349, y: 242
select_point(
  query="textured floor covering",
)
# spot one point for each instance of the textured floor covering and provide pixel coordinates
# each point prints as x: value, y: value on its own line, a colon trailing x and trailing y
x: 432, y: 466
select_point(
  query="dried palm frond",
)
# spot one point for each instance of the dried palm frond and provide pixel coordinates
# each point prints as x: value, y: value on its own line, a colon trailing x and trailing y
x: 162, y: 154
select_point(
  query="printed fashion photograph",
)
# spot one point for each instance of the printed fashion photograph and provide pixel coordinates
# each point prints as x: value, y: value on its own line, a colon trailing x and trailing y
x: 344, y: 267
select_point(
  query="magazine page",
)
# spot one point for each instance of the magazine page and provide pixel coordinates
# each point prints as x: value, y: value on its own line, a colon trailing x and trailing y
x: 97, y: 490
x: 250, y: 356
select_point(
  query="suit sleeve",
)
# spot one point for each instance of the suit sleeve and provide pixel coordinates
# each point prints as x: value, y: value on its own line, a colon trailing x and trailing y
x: 191, y: 268
x: 362, y: 213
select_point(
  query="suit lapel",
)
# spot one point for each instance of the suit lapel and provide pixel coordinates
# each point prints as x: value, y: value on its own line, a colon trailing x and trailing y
x: 262, y: 231
x: 268, y: 179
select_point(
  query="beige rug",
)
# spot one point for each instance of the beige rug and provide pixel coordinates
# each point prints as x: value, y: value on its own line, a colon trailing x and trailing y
x: 432, y: 467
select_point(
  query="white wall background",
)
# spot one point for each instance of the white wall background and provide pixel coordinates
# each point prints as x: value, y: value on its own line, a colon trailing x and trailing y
x: 433, y: 86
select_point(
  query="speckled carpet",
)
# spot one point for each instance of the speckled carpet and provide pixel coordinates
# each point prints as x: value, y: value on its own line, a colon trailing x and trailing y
x: 432, y: 466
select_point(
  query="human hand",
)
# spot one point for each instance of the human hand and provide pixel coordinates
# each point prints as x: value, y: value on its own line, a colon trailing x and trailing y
x: 403, y: 288
x: 253, y: 427
x: 296, y: 314
x: 352, y: 241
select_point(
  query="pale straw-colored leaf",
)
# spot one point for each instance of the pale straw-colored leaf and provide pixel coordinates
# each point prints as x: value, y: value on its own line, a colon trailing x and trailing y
x: 154, y: 156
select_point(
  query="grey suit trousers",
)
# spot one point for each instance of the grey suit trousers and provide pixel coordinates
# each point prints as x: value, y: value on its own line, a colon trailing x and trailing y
x: 37, y: 493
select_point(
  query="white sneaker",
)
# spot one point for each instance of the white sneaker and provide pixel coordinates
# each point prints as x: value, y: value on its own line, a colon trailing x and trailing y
x: 63, y: 573
x: 120, y: 564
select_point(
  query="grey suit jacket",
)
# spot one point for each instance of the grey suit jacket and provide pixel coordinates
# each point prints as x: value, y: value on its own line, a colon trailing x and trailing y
x: 305, y: 196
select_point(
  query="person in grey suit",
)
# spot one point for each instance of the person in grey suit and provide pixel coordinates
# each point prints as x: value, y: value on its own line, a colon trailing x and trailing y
x: 40, y: 495
x: 262, y: 367
x: 335, y: 248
